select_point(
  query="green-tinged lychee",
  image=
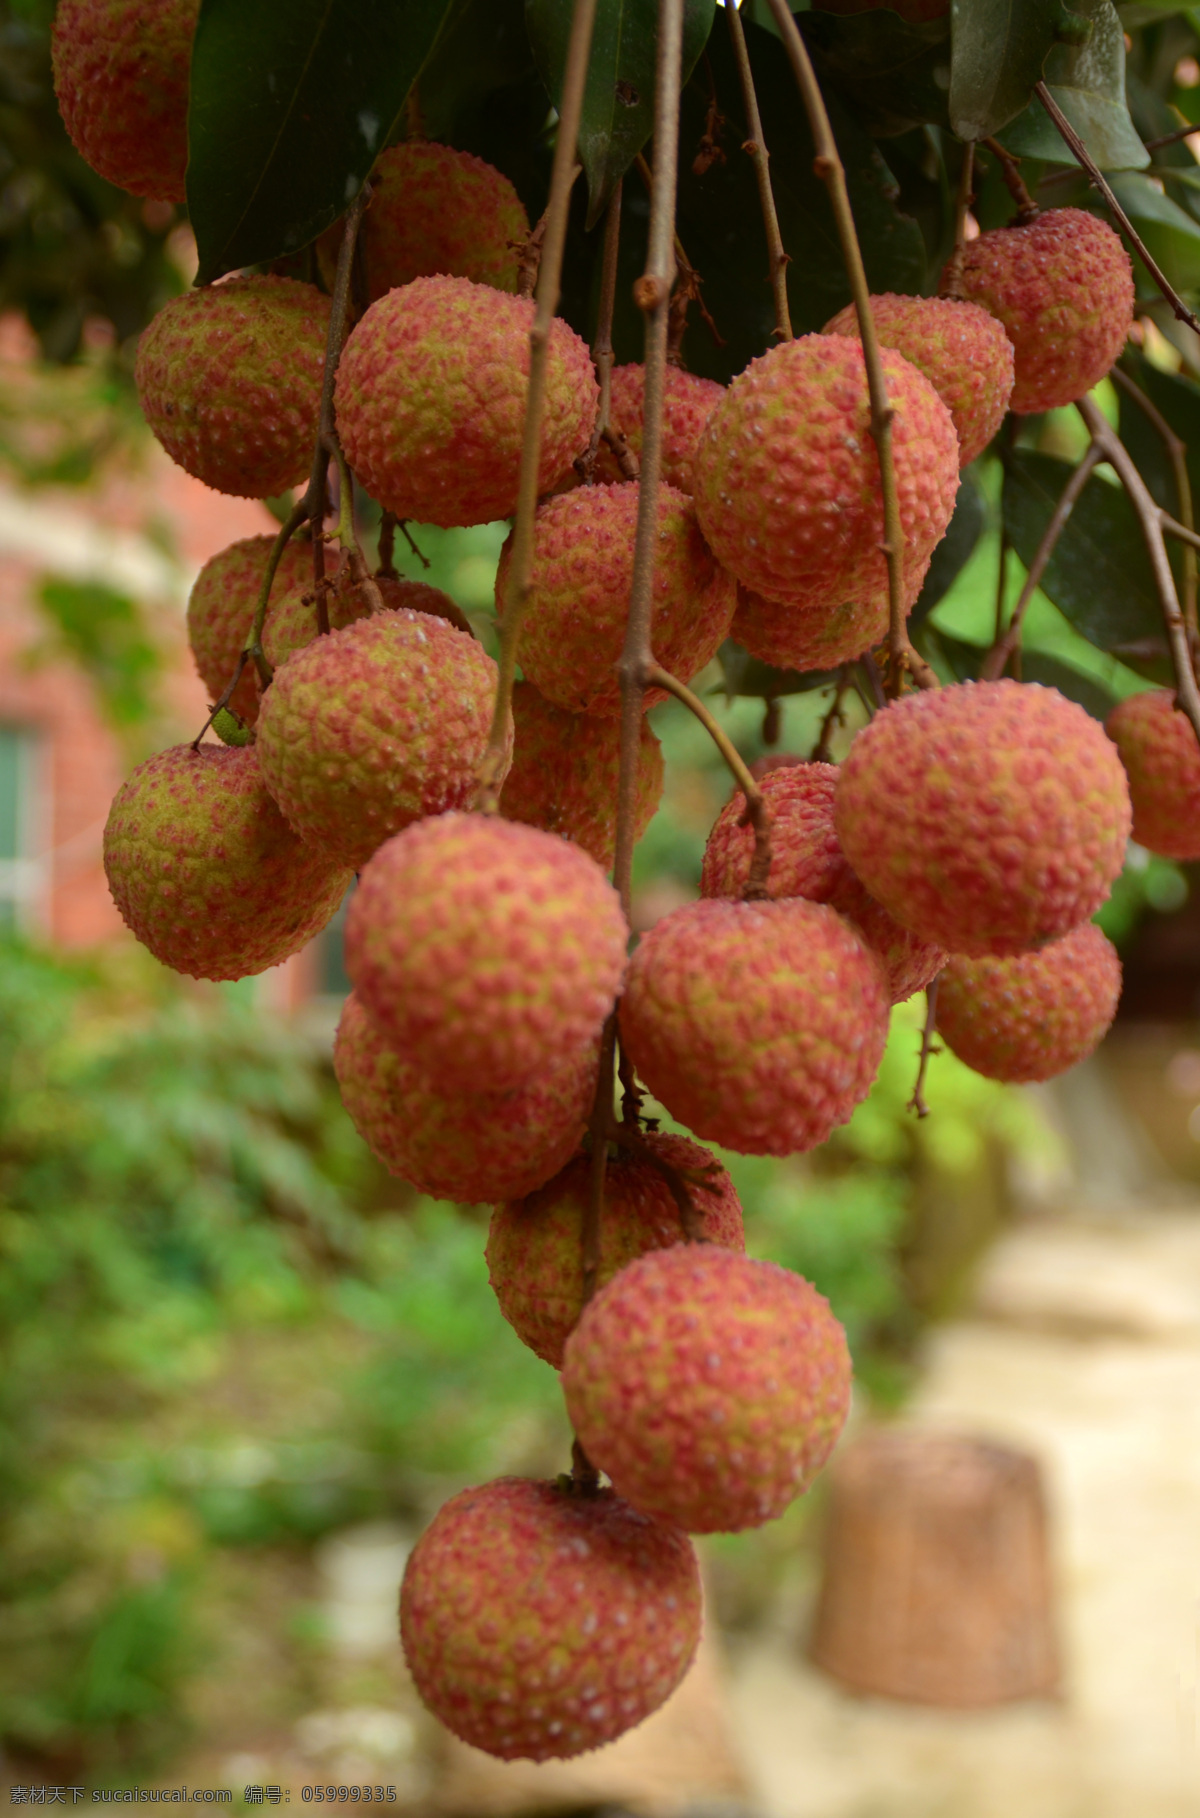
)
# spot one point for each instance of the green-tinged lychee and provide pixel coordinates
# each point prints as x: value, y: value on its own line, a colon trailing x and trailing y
x: 221, y: 608
x: 431, y: 400
x: 538, y: 1623
x: 435, y: 211
x: 121, y: 81
x: 759, y: 1025
x: 206, y: 871
x: 1162, y: 762
x: 988, y: 817
x: 535, y: 1244
x: 229, y: 379
x: 582, y: 570
x: 710, y: 1388
x: 962, y: 350
x: 807, y: 860
x: 490, y: 950
x: 792, y: 634
x: 564, y: 774
x: 473, y: 1147
x: 292, y: 619
x: 1061, y: 286
x: 1030, y: 1016
x: 372, y: 727
x: 786, y: 477
x: 688, y: 402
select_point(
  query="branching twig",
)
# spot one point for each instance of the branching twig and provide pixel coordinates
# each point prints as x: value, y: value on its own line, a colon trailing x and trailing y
x: 822, y: 752
x: 874, y: 698
x: 1009, y: 640
x: 757, y: 813
x: 756, y: 147
x: 387, y: 547
x: 952, y: 279
x: 1181, y: 132
x: 1177, y: 455
x: 928, y: 1046
x: 687, y: 290
x: 1010, y: 170
x: 679, y: 1181
x: 602, y: 346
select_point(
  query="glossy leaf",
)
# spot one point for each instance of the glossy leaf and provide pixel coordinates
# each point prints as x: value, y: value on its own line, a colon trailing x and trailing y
x: 484, y: 47
x: 291, y: 101
x: 955, y: 549
x: 618, y: 101
x: 894, y: 73
x: 1088, y: 82
x: 999, y: 52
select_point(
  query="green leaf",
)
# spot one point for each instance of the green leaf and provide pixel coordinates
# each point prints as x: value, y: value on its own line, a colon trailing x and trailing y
x: 484, y: 47
x: 1084, y: 690
x: 1088, y: 82
x: 1178, y: 400
x: 953, y: 658
x: 1171, y: 235
x: 618, y: 100
x: 999, y: 52
x: 742, y: 673
x: 896, y: 74
x: 291, y: 101
x: 955, y: 549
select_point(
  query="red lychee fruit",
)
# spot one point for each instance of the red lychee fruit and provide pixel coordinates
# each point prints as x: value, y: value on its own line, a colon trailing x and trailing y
x: 564, y: 774
x: 1062, y: 288
x: 431, y: 400
x: 435, y: 211
x: 988, y: 817
x: 758, y: 1025
x: 538, y: 1623
x: 534, y: 1247
x: 710, y: 1388
x: 292, y: 619
x: 370, y: 728
x: 688, y: 402
x: 791, y: 634
x: 491, y: 950
x: 962, y: 350
x: 229, y: 379
x: 574, y: 622
x: 471, y: 1147
x: 786, y: 477
x: 221, y: 611
x: 807, y: 860
x: 121, y: 81
x: 1162, y: 762
x: 206, y: 871
x: 1030, y: 1016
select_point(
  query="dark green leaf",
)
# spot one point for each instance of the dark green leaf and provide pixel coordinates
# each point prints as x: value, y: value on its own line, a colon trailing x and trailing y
x: 1052, y: 672
x: 1178, y: 400
x: 1171, y: 235
x: 895, y: 74
x: 742, y: 673
x: 999, y: 52
x: 484, y: 47
x: 618, y: 101
x: 1088, y: 82
x: 291, y: 101
x: 956, y: 547
x: 954, y: 660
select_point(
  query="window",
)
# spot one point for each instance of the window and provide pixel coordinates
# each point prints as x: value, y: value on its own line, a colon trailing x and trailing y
x: 21, y: 874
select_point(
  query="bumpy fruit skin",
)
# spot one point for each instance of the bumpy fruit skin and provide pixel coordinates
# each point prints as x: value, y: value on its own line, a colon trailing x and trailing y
x: 435, y: 210
x: 962, y: 350
x: 538, y: 1624
x: 205, y: 870
x: 758, y: 1025
x: 121, y: 80
x: 431, y: 400
x: 988, y: 817
x: 710, y: 1388
x: 574, y: 622
x: 1062, y: 288
x: 534, y: 1247
x: 229, y: 379
x: 369, y: 729
x: 786, y: 477
x: 1032, y: 1015
x: 688, y: 402
x: 793, y: 635
x: 491, y: 950
x: 564, y: 774
x: 292, y: 620
x: 807, y: 860
x: 471, y: 1147
x: 1162, y: 762
x: 221, y: 609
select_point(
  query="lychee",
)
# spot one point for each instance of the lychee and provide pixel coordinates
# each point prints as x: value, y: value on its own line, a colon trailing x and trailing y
x: 221, y: 611
x: 988, y: 817
x: 758, y: 1025
x: 372, y: 727
x: 1162, y: 762
x: 121, y: 81
x: 962, y: 350
x: 431, y: 400
x: 688, y: 402
x: 491, y: 950
x: 790, y: 634
x: 786, y: 477
x: 564, y: 774
x: 472, y: 1147
x: 574, y: 622
x: 538, y: 1623
x: 1061, y: 286
x: 807, y: 860
x: 710, y: 1388
x: 1030, y: 1016
x: 435, y: 211
x: 229, y: 379
x: 206, y: 871
x: 535, y: 1243
x: 292, y: 619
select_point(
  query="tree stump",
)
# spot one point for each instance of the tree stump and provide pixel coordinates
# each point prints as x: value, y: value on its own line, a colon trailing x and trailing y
x: 936, y: 1584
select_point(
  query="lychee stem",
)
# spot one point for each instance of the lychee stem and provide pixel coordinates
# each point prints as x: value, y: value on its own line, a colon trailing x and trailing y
x: 928, y: 1046
x: 952, y: 275
x: 602, y: 356
x: 757, y: 813
x: 1177, y: 455
x: 756, y: 148
x: 1014, y: 183
x: 1009, y: 641
x: 821, y: 751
